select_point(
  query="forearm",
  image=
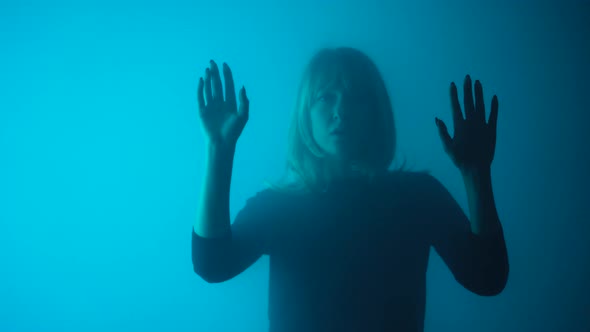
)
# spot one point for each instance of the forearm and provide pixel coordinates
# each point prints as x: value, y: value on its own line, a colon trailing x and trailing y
x: 213, y: 209
x: 490, y: 258
x: 482, y: 207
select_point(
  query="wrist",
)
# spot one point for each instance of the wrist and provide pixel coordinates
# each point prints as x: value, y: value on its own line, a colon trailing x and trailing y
x: 477, y: 174
x: 216, y: 149
x: 477, y: 182
x: 219, y: 158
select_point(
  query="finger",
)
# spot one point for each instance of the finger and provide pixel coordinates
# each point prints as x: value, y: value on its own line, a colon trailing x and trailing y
x: 480, y: 112
x: 216, y: 82
x: 230, y: 91
x: 455, y: 106
x: 493, y: 121
x: 244, y: 110
x: 444, y: 135
x: 200, y: 98
x: 208, y: 96
x: 468, y: 99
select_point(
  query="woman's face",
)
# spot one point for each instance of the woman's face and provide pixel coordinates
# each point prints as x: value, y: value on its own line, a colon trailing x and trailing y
x: 340, y: 122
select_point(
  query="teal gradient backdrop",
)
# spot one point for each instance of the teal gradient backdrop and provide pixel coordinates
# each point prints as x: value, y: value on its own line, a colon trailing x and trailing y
x: 101, y: 153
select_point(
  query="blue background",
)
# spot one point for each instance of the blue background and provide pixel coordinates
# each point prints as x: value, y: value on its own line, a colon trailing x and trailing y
x: 101, y: 152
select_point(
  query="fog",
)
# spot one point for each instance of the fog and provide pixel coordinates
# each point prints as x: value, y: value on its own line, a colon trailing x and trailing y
x: 102, y: 154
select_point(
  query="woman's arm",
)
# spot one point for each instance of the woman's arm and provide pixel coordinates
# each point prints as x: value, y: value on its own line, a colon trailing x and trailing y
x: 482, y: 207
x: 213, y: 213
x: 220, y: 250
x: 473, y: 249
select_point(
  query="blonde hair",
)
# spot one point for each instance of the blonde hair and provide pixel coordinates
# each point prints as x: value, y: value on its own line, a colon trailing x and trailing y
x: 305, y: 166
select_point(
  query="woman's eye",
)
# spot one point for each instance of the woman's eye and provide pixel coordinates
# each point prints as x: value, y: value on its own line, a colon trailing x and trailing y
x: 327, y: 97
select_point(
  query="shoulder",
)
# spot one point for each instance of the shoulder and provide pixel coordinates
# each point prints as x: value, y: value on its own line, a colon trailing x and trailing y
x: 268, y: 198
x: 259, y: 208
x: 263, y: 196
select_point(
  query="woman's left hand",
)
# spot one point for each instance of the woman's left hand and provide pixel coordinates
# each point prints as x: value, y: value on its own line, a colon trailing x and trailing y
x: 473, y: 146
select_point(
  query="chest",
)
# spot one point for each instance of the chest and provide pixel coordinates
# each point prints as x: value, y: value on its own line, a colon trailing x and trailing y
x: 350, y: 232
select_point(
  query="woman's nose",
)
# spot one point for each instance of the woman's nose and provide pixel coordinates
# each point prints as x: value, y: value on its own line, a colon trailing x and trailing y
x: 336, y: 114
x: 341, y: 109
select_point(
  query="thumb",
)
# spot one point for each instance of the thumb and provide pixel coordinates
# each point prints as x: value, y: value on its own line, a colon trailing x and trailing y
x: 444, y: 135
x: 244, y: 108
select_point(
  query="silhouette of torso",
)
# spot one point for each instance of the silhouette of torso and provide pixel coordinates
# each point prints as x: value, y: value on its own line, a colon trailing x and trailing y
x: 352, y: 258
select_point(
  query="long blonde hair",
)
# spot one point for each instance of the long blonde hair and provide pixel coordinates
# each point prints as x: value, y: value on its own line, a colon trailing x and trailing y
x: 305, y: 169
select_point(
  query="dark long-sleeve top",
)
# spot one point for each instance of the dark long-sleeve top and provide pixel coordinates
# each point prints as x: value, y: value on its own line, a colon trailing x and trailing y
x: 354, y: 258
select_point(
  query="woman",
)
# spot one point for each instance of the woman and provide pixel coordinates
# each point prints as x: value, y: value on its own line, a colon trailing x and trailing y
x: 348, y: 239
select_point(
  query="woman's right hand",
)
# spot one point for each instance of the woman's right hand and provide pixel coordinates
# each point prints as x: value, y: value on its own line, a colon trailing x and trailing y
x: 222, y: 121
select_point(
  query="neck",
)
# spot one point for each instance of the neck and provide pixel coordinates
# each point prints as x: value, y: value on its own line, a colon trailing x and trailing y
x: 340, y: 169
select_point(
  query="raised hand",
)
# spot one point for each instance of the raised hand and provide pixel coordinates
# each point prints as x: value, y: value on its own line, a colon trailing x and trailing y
x: 473, y: 146
x: 222, y: 121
